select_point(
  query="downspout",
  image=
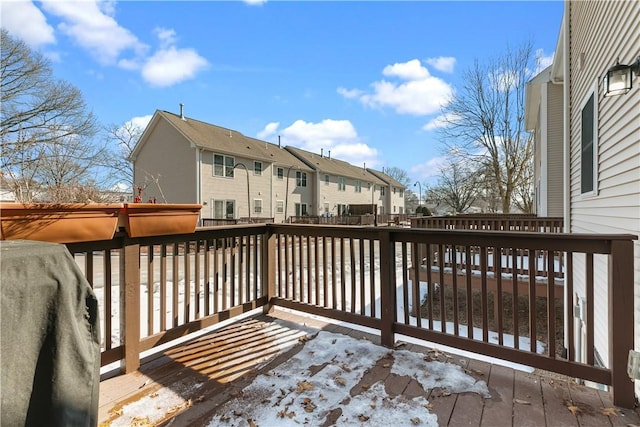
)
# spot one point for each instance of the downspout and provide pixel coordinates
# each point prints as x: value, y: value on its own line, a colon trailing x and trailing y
x: 566, y: 120
x: 199, y: 180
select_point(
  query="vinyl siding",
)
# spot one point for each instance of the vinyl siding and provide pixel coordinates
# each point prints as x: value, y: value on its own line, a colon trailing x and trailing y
x: 167, y: 157
x: 555, y: 194
x: 600, y: 32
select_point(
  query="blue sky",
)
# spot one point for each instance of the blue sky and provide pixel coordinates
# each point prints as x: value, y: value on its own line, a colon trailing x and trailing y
x: 363, y: 79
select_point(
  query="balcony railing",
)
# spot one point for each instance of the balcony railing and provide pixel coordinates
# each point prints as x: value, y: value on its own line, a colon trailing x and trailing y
x: 396, y: 280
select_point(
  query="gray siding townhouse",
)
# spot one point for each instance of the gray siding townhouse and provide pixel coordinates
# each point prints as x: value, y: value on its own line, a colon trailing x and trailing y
x: 600, y: 140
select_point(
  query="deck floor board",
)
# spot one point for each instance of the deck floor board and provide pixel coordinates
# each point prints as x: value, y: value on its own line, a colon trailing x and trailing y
x: 209, y: 370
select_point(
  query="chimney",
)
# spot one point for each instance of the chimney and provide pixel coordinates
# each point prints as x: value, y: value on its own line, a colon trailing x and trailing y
x: 182, y: 111
x: 329, y: 155
x: 322, y: 152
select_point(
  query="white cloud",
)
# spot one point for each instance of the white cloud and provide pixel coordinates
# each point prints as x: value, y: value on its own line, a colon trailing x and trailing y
x: 24, y: 20
x: 417, y: 93
x: 170, y: 66
x: 255, y: 2
x: 442, y: 63
x: 140, y: 122
x: 439, y: 122
x: 353, y: 93
x: 338, y: 136
x: 542, y: 60
x: 167, y: 36
x: 91, y: 25
x: 429, y: 169
x: 269, y: 130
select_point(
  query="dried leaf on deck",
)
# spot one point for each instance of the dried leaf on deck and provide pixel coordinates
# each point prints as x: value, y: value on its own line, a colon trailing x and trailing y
x: 415, y: 420
x: 304, y: 338
x: 340, y: 381
x: 303, y: 386
x: 609, y: 411
x: 141, y: 422
x: 573, y: 409
x: 251, y: 423
x: 521, y: 402
x: 363, y: 417
x: 284, y: 413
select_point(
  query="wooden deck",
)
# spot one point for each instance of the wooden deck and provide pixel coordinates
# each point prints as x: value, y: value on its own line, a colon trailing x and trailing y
x: 201, y: 374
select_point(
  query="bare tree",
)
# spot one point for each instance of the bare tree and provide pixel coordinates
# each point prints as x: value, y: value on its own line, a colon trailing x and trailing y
x: 123, y: 139
x: 399, y: 175
x: 485, y: 121
x: 457, y: 186
x: 39, y: 115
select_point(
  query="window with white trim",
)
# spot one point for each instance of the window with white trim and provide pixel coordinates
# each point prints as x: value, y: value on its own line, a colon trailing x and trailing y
x: 327, y: 179
x: 257, y: 168
x: 223, y: 165
x: 257, y: 206
x: 357, y: 186
x: 301, y: 179
x: 280, y: 173
x: 342, y: 184
x: 280, y: 206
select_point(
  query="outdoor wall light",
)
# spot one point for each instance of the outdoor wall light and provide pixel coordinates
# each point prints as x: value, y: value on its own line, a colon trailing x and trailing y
x: 619, y: 77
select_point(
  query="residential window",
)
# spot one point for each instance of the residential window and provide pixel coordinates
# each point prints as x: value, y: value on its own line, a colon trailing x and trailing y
x: 280, y: 206
x: 401, y: 193
x: 394, y: 190
x: 223, y: 165
x: 326, y: 179
x: 342, y: 186
x: 257, y: 206
x: 342, y: 209
x: 382, y: 191
x: 326, y: 208
x: 301, y: 209
x: 257, y: 168
x: 224, y: 209
x: 358, y: 186
x: 301, y: 179
x: 280, y: 173
x: 588, y: 144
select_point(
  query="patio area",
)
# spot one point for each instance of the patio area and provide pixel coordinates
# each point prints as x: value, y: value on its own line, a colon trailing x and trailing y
x: 196, y: 383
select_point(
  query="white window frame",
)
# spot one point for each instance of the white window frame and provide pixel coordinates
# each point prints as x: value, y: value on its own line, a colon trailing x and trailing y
x: 342, y: 184
x: 280, y: 173
x: 227, y: 171
x: 257, y: 206
x: 593, y: 91
x: 280, y: 206
x: 301, y: 179
x: 257, y: 170
x: 357, y: 186
x: 327, y: 179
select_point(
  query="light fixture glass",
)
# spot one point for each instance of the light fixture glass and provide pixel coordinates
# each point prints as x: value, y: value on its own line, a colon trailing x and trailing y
x: 619, y: 78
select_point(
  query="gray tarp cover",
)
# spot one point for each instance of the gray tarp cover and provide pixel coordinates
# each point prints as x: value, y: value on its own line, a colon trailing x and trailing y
x: 50, y: 338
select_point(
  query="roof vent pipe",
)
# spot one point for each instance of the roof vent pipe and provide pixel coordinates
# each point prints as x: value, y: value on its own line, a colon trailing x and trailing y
x: 182, y: 111
x: 322, y: 152
x: 329, y: 155
x: 279, y: 146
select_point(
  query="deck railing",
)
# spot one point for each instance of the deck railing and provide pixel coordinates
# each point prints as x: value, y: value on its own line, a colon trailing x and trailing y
x: 155, y: 289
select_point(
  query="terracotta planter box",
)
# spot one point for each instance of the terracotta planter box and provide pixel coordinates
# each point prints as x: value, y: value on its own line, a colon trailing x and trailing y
x: 156, y: 219
x: 59, y: 222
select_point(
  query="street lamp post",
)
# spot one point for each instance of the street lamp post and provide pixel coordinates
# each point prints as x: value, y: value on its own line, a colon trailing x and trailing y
x: 248, y: 192
x: 420, y: 190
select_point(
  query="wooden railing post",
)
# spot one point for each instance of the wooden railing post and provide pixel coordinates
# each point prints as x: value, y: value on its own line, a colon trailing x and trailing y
x: 130, y: 305
x: 387, y: 289
x: 621, y: 320
x: 268, y: 270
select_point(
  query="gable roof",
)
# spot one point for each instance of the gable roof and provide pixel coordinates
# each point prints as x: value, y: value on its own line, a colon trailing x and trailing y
x: 223, y: 141
x: 332, y: 166
x: 387, y: 178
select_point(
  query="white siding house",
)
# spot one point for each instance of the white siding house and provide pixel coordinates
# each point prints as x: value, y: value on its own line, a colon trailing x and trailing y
x: 601, y: 139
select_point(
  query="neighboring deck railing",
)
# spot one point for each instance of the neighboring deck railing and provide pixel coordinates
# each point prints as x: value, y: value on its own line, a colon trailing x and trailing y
x: 363, y: 275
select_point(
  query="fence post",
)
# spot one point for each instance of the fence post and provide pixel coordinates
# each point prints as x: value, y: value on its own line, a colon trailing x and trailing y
x: 387, y: 289
x: 620, y: 320
x: 130, y: 305
x: 268, y: 262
